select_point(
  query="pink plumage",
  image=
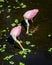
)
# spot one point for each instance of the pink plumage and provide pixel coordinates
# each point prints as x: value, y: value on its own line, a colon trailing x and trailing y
x: 16, y: 31
x: 30, y: 14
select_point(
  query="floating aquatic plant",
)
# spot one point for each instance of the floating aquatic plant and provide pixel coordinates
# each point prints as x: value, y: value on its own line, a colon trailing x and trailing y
x: 21, y: 63
x: 11, y: 62
x: 8, y: 57
x: 32, y: 45
x: 23, y: 5
x: 49, y: 35
x: 9, y: 6
x: 1, y: 0
x: 8, y: 16
x: 28, y: 42
x: 13, y: 24
x: 2, y: 49
x: 3, y: 30
x: 9, y: 10
x: 1, y: 5
x: 16, y: 21
x: 25, y: 52
x: 50, y: 49
x: 17, y: 7
x: 2, y: 10
x: 16, y: 0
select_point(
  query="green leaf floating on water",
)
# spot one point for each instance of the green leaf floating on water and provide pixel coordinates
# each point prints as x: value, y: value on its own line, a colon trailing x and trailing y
x: 25, y: 51
x: 11, y: 62
x: 9, y: 10
x: 16, y: 21
x: 50, y: 49
x: 9, y: 6
x: 21, y: 63
x: 13, y: 24
x: 23, y: 5
x: 3, y: 30
x: 8, y: 57
x: 16, y: 0
x: 1, y: 0
x: 2, y: 49
x: 49, y: 35
x: 1, y: 5
x: 32, y: 45
x: 4, y: 46
x: 28, y: 42
x: 8, y: 16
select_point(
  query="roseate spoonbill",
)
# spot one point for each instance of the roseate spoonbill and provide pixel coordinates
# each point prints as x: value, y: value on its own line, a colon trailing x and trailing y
x: 15, y: 32
x: 29, y: 15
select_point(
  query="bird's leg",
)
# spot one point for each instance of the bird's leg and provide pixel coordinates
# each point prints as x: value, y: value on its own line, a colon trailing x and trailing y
x: 18, y: 42
x: 26, y: 20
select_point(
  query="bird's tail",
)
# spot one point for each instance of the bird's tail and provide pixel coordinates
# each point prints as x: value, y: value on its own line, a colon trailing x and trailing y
x: 18, y: 42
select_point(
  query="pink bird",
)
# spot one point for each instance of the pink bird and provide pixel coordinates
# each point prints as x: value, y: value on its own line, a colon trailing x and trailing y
x: 29, y: 15
x: 15, y: 32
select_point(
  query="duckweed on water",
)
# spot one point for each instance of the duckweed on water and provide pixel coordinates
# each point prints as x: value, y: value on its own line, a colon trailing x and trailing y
x: 8, y: 57
x: 50, y: 49
x: 21, y: 63
x: 11, y: 62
